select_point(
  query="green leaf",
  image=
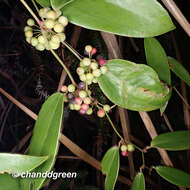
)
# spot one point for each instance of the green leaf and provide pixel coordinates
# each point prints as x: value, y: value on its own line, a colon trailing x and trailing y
x: 44, y: 3
x: 11, y: 163
x: 58, y: 4
x: 45, y: 139
x: 179, y: 70
x: 178, y: 140
x: 133, y: 86
x: 174, y: 176
x: 8, y: 182
x: 110, y: 167
x: 134, y: 18
x: 157, y: 59
x: 138, y: 182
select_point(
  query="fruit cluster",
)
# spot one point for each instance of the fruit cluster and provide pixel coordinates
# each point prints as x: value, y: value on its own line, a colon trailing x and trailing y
x: 50, y: 32
x: 126, y: 149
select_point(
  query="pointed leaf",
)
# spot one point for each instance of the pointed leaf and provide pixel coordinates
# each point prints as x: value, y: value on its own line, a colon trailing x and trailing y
x: 134, y: 18
x: 11, y: 163
x: 8, y: 182
x: 138, y: 182
x: 157, y: 59
x: 44, y: 3
x: 110, y: 167
x: 178, y: 140
x: 174, y: 176
x: 45, y: 137
x: 58, y: 4
x: 133, y: 86
x: 179, y: 70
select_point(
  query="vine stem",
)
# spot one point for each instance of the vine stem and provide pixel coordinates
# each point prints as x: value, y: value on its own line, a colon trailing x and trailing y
x: 31, y: 11
x: 65, y: 68
x: 36, y: 7
x: 72, y: 50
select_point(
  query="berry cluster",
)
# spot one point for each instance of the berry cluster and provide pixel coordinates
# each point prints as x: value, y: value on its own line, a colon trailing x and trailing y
x: 126, y: 149
x: 50, y: 33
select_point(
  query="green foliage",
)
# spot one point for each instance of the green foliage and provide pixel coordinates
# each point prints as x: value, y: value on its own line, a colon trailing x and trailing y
x: 44, y: 3
x: 45, y: 137
x: 133, y: 86
x: 138, y: 182
x: 179, y: 70
x: 58, y: 4
x: 178, y: 140
x: 110, y: 167
x: 174, y: 176
x: 157, y: 59
x: 9, y: 183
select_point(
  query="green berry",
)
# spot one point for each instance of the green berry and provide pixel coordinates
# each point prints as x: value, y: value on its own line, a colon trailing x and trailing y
x: 28, y: 40
x: 80, y: 71
x: 130, y: 147
x: 42, y: 39
x: 96, y: 72
x: 29, y: 34
x: 82, y: 64
x: 40, y: 47
x: 106, y: 108
x: 123, y: 148
x: 43, y: 12
x: 89, y: 111
x: 82, y: 77
x: 63, y: 20
x: 26, y: 28
x: 93, y: 65
x: 55, y: 38
x: 53, y: 45
x: 51, y: 15
x: 87, y: 100
x: 86, y: 61
x: 62, y: 37
x: 104, y: 69
x: 47, y: 46
x: 95, y: 80
x: 88, y: 48
x: 77, y: 107
x: 83, y: 94
x: 58, y: 28
x: 71, y: 106
x: 34, y: 41
x: 30, y: 22
x: 89, y: 82
x: 49, y: 23
x: 71, y: 88
x: 89, y: 76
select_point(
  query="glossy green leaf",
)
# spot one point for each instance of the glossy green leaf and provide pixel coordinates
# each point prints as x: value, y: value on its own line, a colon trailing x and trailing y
x: 44, y: 3
x: 133, y: 86
x: 58, y: 4
x: 10, y: 163
x: 45, y: 139
x: 7, y: 182
x: 179, y: 70
x: 134, y: 18
x: 174, y: 176
x: 138, y: 182
x: 157, y: 59
x: 178, y: 140
x: 110, y: 167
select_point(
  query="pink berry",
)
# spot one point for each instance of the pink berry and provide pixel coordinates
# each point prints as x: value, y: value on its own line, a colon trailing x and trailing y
x: 102, y: 62
x: 82, y: 111
x: 124, y: 153
x: 94, y: 50
x: 78, y: 100
x: 85, y: 107
x: 101, y: 113
x: 64, y: 88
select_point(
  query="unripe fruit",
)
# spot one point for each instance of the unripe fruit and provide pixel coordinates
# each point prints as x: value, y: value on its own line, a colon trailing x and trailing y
x: 130, y: 147
x: 87, y: 100
x: 26, y: 28
x: 71, y: 106
x: 62, y: 37
x: 89, y: 111
x: 101, y: 113
x: 28, y: 40
x: 43, y: 12
x: 49, y: 23
x: 86, y: 61
x: 58, y: 13
x: 53, y: 45
x: 93, y: 65
x: 64, y: 88
x: 104, y: 69
x: 83, y: 94
x: 78, y: 100
x: 55, y: 39
x: 51, y: 15
x: 30, y: 22
x: 81, y: 85
x: 125, y: 153
x: 71, y: 88
x: 77, y: 107
x: 80, y: 71
x: 40, y: 47
x: 82, y: 77
x: 123, y: 148
x: 82, y: 64
x: 96, y: 72
x: 47, y: 45
x: 89, y: 76
x: 42, y: 39
x: 89, y: 82
x: 63, y: 20
x: 85, y: 107
x: 95, y: 80
x: 102, y: 62
x: 58, y: 28
x: 29, y: 34
x: 34, y: 41
x: 106, y: 108
x: 88, y: 48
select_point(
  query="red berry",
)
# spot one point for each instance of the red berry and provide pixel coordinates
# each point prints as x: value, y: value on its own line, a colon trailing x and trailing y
x: 101, y: 113
x: 94, y: 50
x: 82, y: 111
x: 78, y: 100
x: 102, y: 62
x: 85, y: 107
x: 124, y: 153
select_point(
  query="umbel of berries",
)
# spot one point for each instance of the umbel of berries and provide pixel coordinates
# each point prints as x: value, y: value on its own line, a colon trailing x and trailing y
x: 50, y: 32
